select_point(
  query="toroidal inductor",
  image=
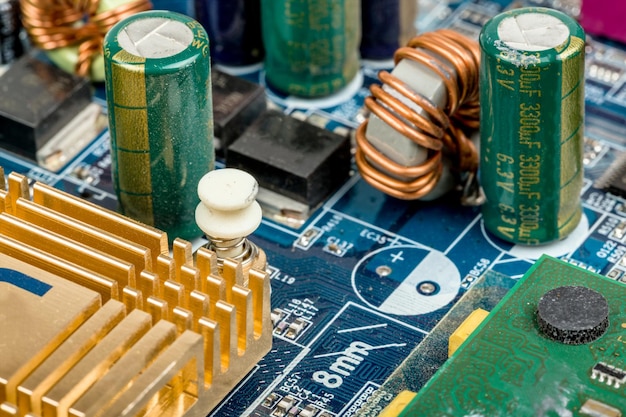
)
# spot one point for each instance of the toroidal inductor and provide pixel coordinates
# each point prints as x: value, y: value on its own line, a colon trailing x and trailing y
x: 415, y: 144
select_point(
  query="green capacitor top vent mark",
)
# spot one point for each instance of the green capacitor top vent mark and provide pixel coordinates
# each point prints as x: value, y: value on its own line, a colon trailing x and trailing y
x: 160, y: 116
x: 311, y: 45
x: 532, y: 104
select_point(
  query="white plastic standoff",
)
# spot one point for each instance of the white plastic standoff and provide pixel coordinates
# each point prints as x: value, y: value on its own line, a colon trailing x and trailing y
x: 228, y: 212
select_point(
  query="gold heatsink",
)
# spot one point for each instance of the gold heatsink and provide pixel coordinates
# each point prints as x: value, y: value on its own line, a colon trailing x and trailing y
x: 97, y: 319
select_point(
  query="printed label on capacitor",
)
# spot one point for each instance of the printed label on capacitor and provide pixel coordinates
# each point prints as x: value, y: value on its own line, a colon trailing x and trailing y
x: 530, y: 170
x: 311, y: 46
x: 160, y: 116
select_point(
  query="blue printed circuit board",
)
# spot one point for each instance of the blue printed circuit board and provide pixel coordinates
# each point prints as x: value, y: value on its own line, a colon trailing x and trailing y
x: 366, y: 278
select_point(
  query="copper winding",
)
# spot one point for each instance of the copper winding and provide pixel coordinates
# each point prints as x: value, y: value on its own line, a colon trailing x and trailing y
x: 455, y: 59
x: 53, y: 24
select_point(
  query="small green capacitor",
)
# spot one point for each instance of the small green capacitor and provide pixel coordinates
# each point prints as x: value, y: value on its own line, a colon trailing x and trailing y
x: 532, y: 108
x: 160, y: 117
x: 312, y: 46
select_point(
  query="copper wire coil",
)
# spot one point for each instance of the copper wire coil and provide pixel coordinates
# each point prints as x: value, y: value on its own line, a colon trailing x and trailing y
x: 53, y: 24
x: 455, y: 59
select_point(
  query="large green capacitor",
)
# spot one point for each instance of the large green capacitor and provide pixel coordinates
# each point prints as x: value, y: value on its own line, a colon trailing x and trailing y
x: 160, y: 117
x: 311, y: 45
x: 532, y: 105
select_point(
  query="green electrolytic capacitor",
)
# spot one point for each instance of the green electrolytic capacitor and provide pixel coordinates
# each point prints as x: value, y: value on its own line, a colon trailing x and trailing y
x: 160, y: 117
x: 311, y: 45
x: 532, y: 105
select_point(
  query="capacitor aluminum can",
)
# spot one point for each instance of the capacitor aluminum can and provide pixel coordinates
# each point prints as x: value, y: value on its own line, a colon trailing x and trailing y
x: 179, y: 6
x: 234, y: 27
x: 380, y: 24
x: 160, y: 117
x: 532, y: 108
x: 311, y: 46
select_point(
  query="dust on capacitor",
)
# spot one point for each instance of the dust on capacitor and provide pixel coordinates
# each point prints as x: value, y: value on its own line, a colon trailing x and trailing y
x: 159, y: 100
x: 532, y: 108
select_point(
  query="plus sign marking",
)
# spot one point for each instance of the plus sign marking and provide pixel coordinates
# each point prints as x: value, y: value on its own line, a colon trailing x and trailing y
x: 397, y: 257
x: 389, y: 280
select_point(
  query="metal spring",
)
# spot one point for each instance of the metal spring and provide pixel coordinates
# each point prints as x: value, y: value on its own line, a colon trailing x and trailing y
x: 442, y: 132
x: 53, y: 24
x: 223, y: 247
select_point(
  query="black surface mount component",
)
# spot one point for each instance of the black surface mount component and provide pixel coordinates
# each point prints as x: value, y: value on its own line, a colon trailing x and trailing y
x: 573, y: 315
x: 609, y: 374
x: 38, y: 99
x: 291, y: 157
x: 236, y: 104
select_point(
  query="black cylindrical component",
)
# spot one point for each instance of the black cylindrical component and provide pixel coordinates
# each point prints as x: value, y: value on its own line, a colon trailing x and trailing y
x: 11, y: 46
x: 380, y: 21
x: 234, y: 28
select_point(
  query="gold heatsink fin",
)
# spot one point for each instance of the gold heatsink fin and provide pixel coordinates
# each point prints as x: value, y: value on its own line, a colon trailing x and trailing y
x: 101, y: 320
